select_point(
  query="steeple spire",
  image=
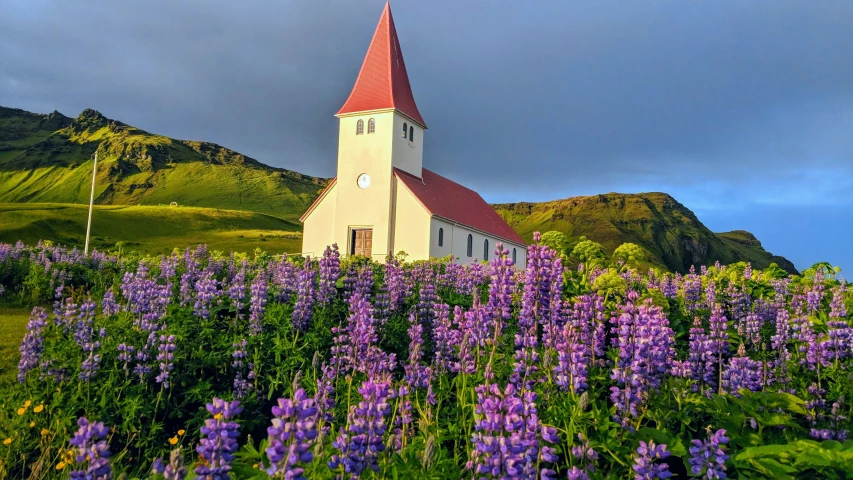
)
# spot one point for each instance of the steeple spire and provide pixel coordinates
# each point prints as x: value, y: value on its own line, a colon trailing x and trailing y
x: 383, y: 82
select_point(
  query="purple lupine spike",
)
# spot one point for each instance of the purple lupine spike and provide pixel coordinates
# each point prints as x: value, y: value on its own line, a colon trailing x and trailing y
x: 92, y: 451
x: 291, y: 435
x: 707, y: 458
x: 237, y: 290
x: 175, y: 470
x: 501, y: 286
x: 32, y: 345
x: 330, y: 271
x: 109, y: 306
x: 364, y: 283
x: 257, y: 304
x: 692, y: 292
x: 125, y: 355
x: 700, y: 357
x: 219, y: 444
x: 242, y: 385
x: 84, y: 335
x: 742, y: 372
x: 306, y: 285
x: 207, y: 289
x: 398, y: 288
x: 444, y: 337
x: 645, y: 467
x: 646, y: 350
x: 417, y: 373
x: 361, y: 442
x: 572, y: 360
x: 509, y: 441
x: 166, y: 357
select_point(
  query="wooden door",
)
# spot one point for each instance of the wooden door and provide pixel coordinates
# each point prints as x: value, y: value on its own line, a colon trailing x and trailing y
x: 362, y: 242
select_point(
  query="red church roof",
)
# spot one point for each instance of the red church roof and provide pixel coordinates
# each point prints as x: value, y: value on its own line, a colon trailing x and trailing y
x: 448, y: 199
x: 383, y: 82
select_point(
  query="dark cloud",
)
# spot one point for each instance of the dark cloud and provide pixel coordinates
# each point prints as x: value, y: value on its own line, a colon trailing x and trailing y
x: 725, y: 105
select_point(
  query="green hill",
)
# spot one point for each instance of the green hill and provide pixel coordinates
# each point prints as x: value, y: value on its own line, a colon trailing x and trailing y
x: 670, y: 233
x: 48, y: 158
x: 149, y: 229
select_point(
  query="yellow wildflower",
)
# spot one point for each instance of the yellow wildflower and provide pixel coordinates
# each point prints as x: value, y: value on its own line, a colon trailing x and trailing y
x: 27, y: 404
x: 8, y: 441
x: 60, y: 465
x: 173, y: 440
x: 44, y: 431
x: 181, y: 431
x: 22, y: 410
x: 32, y: 424
x: 217, y: 416
x: 39, y: 408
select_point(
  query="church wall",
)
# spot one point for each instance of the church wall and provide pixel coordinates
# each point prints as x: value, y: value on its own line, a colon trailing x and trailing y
x: 411, y: 225
x: 408, y: 155
x: 365, y: 207
x: 318, y: 230
x: 456, y: 243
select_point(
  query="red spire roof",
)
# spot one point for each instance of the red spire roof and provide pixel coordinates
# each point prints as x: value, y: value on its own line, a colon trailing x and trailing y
x: 452, y: 201
x: 383, y: 81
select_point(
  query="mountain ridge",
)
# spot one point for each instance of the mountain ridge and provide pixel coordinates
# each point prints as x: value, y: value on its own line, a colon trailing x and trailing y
x: 47, y: 158
x: 670, y: 233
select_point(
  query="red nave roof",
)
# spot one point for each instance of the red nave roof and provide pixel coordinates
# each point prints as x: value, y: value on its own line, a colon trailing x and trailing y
x: 446, y: 198
x: 383, y: 82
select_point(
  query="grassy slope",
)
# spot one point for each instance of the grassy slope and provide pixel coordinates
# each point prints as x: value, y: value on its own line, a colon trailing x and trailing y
x: 13, y: 326
x: 151, y: 229
x: 47, y: 158
x: 670, y: 233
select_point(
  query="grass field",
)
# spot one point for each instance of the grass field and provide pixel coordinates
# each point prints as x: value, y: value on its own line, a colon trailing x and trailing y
x: 13, y: 324
x: 149, y: 229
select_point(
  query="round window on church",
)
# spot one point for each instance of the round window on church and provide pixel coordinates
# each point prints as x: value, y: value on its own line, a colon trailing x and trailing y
x: 364, y: 180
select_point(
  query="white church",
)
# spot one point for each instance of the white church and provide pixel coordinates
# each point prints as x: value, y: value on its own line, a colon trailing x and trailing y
x: 382, y: 200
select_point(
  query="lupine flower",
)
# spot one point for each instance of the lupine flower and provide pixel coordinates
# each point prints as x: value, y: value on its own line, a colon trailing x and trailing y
x: 330, y: 271
x: 108, y: 304
x: 416, y: 373
x: 360, y: 444
x: 175, y: 470
x: 257, y: 303
x: 217, y: 447
x: 501, y: 286
x: 708, y: 458
x: 293, y: 430
x: 92, y: 451
x: 237, y: 290
x: 125, y: 355
x: 166, y: 357
x: 304, y: 308
x: 364, y: 283
x: 242, y: 386
x: 207, y: 289
x: 85, y: 337
x: 645, y: 467
x: 509, y: 441
x: 32, y: 345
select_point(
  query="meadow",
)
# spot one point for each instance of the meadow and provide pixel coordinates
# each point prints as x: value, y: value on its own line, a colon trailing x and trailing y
x: 154, y: 229
x: 198, y: 364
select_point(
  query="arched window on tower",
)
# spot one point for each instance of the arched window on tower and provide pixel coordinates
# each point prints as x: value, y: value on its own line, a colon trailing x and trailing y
x: 371, y: 126
x: 359, y: 127
x: 440, y: 237
x: 486, y: 249
x: 470, y: 249
x: 405, y: 129
x: 411, y: 134
x: 514, y: 256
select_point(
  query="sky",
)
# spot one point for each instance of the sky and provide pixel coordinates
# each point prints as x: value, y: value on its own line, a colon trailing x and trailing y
x: 741, y: 110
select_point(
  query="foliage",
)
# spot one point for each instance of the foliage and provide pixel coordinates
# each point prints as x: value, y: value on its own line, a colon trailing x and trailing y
x: 416, y: 370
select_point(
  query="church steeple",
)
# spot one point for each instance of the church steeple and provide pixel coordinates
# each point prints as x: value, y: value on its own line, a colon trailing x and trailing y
x: 383, y: 82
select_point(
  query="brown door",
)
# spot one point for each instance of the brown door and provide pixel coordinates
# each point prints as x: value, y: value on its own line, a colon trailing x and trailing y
x: 362, y: 242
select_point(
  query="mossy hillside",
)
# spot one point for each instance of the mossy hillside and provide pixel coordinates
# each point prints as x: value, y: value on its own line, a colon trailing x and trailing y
x: 669, y: 232
x: 149, y: 229
x: 48, y: 158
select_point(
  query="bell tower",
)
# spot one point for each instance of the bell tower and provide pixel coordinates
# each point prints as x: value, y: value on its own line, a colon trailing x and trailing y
x: 380, y: 129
